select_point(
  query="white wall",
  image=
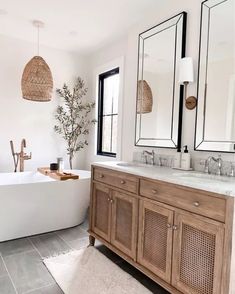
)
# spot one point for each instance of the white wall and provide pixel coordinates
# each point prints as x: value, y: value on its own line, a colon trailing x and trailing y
x: 127, y: 47
x: 33, y: 121
x: 100, y: 62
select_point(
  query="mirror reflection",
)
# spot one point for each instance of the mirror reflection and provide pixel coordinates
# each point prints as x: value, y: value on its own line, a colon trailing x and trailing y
x: 215, y: 129
x: 158, y: 121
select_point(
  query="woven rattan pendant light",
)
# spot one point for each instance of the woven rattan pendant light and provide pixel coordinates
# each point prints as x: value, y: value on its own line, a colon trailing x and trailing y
x: 144, y: 98
x: 37, y: 81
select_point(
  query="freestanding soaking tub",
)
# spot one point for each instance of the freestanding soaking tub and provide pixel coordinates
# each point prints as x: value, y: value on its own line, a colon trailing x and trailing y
x: 31, y: 203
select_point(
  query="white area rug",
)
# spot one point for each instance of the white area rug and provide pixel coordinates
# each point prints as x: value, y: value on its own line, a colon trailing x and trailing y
x: 87, y: 271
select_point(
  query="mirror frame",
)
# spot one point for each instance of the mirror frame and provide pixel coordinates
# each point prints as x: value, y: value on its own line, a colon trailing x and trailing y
x: 176, y: 145
x: 201, y: 100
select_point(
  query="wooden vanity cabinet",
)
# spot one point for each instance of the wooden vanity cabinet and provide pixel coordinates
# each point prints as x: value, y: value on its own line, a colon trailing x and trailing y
x: 124, y: 223
x: 114, y: 218
x: 155, y: 239
x: 183, y: 250
x: 101, y: 211
x: 197, y: 254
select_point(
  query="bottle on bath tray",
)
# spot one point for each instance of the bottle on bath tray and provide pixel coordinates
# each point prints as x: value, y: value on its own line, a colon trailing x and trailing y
x: 60, y: 163
x: 185, y: 159
x: 177, y: 159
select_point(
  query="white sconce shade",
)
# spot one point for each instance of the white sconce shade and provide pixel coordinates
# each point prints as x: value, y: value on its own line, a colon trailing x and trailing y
x: 186, y: 73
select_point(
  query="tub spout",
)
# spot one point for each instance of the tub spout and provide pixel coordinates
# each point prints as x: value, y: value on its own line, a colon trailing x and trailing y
x: 23, y: 156
x: 23, y: 144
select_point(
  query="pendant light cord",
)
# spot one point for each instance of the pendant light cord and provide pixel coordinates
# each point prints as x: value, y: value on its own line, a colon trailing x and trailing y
x: 38, y: 40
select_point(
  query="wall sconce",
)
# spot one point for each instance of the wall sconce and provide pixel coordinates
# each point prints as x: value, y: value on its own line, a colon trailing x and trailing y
x: 186, y: 76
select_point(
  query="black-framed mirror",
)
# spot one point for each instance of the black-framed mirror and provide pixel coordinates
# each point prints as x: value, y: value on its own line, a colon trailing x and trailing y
x: 215, y: 122
x: 159, y: 94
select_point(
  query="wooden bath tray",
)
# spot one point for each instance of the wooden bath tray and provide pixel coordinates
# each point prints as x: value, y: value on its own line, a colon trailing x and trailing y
x: 44, y: 170
x: 57, y: 175
x: 63, y: 176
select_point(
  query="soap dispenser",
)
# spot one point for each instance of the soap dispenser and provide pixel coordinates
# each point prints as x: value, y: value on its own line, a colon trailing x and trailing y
x: 185, y: 159
x: 177, y: 159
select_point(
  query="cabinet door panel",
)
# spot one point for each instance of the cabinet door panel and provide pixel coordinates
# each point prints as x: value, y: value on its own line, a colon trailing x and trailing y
x: 101, y: 211
x: 155, y: 239
x: 197, y: 255
x: 124, y: 223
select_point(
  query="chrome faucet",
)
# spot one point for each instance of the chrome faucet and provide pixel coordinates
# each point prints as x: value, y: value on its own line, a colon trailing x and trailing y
x: 218, y: 160
x: 207, y: 165
x: 23, y: 156
x: 151, y: 154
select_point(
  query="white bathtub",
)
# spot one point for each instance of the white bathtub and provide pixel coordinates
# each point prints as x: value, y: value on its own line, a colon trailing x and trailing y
x: 31, y: 203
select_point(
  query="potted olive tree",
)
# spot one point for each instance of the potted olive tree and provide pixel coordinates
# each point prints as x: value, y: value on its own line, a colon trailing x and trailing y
x: 74, y: 117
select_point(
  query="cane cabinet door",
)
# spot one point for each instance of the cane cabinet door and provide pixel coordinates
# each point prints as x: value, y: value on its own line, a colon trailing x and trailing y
x: 155, y: 239
x: 124, y: 223
x: 101, y: 211
x: 197, y: 255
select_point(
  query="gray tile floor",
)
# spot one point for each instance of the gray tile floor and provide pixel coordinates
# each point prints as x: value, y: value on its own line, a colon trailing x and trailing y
x: 23, y: 272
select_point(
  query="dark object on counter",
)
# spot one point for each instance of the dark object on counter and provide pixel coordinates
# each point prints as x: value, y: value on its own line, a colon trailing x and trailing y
x: 54, y: 166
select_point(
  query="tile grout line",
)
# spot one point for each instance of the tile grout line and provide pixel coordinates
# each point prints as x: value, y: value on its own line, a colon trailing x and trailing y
x: 32, y: 290
x: 35, y: 248
x: 64, y: 241
x: 42, y: 263
x: 9, y: 274
x: 71, y: 240
x: 19, y: 253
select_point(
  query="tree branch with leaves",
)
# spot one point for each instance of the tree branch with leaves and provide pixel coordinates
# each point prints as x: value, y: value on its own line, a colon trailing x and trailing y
x: 74, y: 117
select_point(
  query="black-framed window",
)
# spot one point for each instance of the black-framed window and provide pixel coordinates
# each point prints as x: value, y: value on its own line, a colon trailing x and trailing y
x: 108, y: 113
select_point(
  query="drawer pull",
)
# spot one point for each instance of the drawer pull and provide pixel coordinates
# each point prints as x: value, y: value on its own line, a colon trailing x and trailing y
x: 196, y: 204
x: 101, y: 176
x: 169, y: 226
x: 154, y: 191
x: 123, y: 182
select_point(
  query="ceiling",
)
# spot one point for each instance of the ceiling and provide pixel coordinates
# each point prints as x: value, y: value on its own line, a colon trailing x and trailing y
x: 73, y: 25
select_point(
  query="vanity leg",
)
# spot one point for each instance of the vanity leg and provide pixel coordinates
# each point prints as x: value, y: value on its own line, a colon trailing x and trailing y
x: 91, y: 241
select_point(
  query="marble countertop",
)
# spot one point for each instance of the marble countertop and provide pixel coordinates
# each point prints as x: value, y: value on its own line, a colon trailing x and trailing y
x: 212, y: 183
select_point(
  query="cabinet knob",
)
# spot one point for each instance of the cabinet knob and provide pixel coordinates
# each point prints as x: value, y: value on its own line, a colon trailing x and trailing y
x: 111, y: 201
x: 196, y: 204
x: 123, y: 182
x: 169, y: 226
x: 175, y: 228
x: 154, y: 191
x: 101, y: 176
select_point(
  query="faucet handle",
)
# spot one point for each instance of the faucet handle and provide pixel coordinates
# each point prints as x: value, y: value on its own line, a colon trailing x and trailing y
x: 232, y: 171
x: 144, y: 157
x: 206, y: 166
x: 27, y: 157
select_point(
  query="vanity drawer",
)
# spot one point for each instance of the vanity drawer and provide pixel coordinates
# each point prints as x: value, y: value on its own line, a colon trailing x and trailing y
x: 116, y: 179
x: 192, y: 200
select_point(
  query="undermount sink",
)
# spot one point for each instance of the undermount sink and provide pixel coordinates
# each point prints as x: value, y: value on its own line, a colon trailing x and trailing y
x: 128, y: 164
x: 194, y: 176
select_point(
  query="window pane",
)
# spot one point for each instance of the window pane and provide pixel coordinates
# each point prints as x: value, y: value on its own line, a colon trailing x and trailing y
x: 114, y: 134
x: 110, y: 100
x: 106, y: 138
x: 115, y: 93
x: 107, y: 100
x: 108, y: 112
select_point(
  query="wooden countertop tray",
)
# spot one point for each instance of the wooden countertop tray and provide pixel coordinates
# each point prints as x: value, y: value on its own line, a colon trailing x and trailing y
x: 57, y: 175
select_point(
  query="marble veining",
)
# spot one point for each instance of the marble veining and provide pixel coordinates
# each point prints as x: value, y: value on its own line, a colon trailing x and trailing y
x: 211, y: 183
